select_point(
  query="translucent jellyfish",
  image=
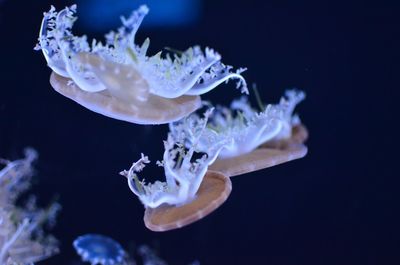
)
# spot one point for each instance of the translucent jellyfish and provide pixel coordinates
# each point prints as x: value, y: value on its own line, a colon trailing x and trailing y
x: 22, y: 238
x: 189, y: 193
x: 117, y: 79
x: 258, y: 139
x: 99, y: 249
x: 266, y: 155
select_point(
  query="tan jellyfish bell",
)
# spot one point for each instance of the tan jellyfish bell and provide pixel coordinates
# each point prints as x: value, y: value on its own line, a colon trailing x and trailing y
x: 214, y: 190
x: 155, y: 110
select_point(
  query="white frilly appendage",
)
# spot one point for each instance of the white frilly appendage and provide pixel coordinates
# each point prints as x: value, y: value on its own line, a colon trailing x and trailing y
x: 242, y: 127
x: 191, y: 72
x: 183, y: 173
x: 22, y: 239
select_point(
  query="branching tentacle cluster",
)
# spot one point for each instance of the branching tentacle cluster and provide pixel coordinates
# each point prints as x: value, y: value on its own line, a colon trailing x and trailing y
x: 22, y: 239
x: 183, y: 173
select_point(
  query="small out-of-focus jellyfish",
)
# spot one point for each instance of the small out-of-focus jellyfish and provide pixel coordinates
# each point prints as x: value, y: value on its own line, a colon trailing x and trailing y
x: 104, y: 250
x: 99, y: 249
x: 190, y: 191
x: 258, y: 139
x: 117, y: 79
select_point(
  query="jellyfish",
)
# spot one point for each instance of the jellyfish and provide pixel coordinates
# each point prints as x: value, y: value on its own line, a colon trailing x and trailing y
x: 263, y: 157
x: 119, y: 80
x: 99, y: 249
x: 22, y: 237
x: 258, y: 139
x: 190, y: 191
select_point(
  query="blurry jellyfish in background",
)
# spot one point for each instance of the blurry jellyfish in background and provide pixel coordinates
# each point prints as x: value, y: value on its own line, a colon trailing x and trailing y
x: 190, y: 191
x: 259, y: 139
x: 103, y: 250
x: 117, y: 79
x: 22, y: 237
x: 99, y: 249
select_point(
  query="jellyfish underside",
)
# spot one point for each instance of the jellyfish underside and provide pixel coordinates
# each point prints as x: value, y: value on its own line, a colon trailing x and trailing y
x: 154, y: 110
x: 266, y: 155
x: 214, y: 190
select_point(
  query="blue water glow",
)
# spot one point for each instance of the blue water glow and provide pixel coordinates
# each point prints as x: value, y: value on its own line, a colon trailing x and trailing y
x: 100, y: 15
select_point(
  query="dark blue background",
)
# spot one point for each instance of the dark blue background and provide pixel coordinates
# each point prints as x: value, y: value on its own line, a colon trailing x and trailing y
x: 336, y: 206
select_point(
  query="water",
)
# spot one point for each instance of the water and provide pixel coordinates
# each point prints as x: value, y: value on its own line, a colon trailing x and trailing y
x: 333, y: 207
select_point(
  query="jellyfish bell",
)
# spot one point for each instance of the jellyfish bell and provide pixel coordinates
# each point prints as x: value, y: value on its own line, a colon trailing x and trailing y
x: 213, y: 192
x: 265, y: 156
x: 122, y: 77
x: 155, y: 110
x: 99, y: 249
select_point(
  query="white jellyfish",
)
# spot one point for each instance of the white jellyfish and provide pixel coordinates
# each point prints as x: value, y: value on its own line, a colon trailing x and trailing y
x: 190, y: 191
x: 22, y: 237
x: 256, y: 137
x: 118, y: 79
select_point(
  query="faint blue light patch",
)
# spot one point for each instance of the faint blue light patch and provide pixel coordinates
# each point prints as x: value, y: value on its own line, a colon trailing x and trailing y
x: 103, y: 15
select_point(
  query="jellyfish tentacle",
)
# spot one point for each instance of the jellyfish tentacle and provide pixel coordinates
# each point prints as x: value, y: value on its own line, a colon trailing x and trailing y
x: 56, y: 64
x: 133, y: 22
x: 81, y: 77
x: 69, y: 46
x: 209, y: 81
x: 171, y: 79
x: 269, y: 131
x: 287, y: 105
